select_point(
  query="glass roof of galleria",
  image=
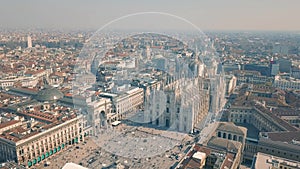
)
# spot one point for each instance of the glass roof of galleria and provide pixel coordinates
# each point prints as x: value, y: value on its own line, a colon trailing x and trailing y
x: 49, y: 94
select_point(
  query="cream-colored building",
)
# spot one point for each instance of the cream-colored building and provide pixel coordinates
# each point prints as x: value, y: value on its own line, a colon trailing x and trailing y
x: 272, y: 162
x: 29, y: 145
x: 286, y: 83
x: 280, y: 144
x: 231, y: 138
x: 129, y: 101
x: 9, y: 125
x: 230, y: 131
x: 29, y: 79
x: 259, y: 116
x: 125, y: 101
x: 99, y: 113
x: 262, y: 119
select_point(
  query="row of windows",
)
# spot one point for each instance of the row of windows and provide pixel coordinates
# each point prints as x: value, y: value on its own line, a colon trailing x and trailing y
x: 7, y: 84
x: 240, y: 115
x: 46, y: 147
x: 230, y: 136
x: 281, y: 167
x: 278, y: 152
x: 241, y: 111
x: 251, y: 147
x: 66, y: 132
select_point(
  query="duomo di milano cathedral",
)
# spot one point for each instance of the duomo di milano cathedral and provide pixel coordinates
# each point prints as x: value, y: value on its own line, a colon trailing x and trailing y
x: 184, y: 101
x: 182, y: 94
x: 180, y: 101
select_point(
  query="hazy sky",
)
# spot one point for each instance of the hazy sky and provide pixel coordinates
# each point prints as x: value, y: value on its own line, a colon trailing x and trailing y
x: 206, y: 14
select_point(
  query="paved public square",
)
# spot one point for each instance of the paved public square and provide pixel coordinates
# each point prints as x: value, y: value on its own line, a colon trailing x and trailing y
x: 124, y: 147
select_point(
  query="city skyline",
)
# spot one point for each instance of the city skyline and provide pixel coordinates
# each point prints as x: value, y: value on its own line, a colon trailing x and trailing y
x: 214, y: 15
x: 155, y: 84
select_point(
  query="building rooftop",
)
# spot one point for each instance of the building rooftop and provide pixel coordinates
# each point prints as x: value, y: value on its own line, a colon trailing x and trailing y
x: 230, y: 127
x: 244, y: 102
x: 283, y: 123
x: 49, y: 94
x: 40, y: 120
x: 224, y: 144
x: 289, y: 136
x: 223, y: 159
x: 268, y: 161
x: 285, y: 111
x: 8, y: 123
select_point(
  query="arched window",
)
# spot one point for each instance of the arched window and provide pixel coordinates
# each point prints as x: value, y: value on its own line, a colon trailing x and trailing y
x: 102, y: 118
x: 219, y: 134
x: 229, y: 137
x: 234, y: 138
x: 224, y: 135
x: 167, y: 123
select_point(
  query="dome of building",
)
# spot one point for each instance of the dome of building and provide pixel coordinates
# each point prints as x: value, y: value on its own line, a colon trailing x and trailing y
x: 49, y: 94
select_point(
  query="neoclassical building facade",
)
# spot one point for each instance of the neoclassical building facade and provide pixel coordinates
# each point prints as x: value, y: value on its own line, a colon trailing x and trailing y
x: 99, y: 113
x: 260, y: 117
x: 30, y: 148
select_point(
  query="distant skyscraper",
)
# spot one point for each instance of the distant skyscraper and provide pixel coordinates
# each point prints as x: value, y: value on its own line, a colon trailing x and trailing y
x: 29, y: 42
x: 148, y: 52
x: 274, y: 67
x: 285, y: 65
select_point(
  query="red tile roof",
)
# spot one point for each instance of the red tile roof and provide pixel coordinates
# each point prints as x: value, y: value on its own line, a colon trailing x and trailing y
x: 9, y: 123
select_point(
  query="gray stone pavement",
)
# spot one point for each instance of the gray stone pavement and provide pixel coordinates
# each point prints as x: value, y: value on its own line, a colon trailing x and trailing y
x: 125, y: 146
